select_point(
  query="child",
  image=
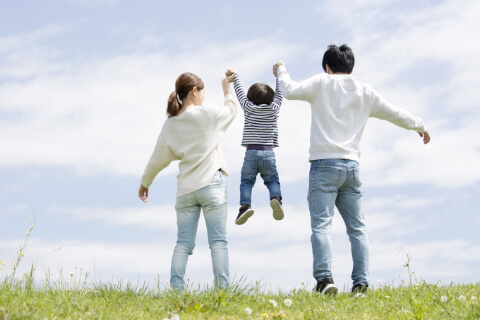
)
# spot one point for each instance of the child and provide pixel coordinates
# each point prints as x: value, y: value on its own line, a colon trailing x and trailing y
x: 261, y: 107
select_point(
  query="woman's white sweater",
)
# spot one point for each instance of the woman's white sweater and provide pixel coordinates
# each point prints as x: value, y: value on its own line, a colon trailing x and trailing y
x: 192, y: 137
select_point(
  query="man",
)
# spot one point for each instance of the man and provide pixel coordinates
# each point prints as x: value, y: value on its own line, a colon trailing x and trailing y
x: 340, y: 106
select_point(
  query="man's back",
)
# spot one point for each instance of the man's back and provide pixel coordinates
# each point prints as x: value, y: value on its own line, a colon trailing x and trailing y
x: 341, y: 107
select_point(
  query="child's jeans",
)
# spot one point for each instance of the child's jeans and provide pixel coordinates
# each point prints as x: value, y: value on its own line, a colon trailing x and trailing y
x: 263, y: 162
x: 212, y: 199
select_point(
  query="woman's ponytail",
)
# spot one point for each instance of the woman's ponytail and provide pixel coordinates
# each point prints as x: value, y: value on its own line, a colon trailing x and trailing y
x: 174, y: 105
x: 184, y: 84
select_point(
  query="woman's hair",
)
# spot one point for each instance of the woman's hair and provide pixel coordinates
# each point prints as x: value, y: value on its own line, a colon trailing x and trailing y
x: 184, y: 84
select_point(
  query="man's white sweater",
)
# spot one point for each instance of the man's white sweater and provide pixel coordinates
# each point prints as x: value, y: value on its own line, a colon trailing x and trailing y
x: 341, y: 107
x: 192, y: 137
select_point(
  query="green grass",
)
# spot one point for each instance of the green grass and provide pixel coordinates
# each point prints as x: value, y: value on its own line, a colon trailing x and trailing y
x: 78, y: 297
x: 70, y: 299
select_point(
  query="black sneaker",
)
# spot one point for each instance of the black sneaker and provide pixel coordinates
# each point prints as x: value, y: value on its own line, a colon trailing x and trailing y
x: 244, y: 213
x: 326, y: 286
x: 359, y: 289
x: 276, y: 204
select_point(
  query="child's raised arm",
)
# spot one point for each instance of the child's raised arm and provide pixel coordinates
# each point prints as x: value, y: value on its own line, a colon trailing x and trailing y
x: 277, y: 101
x: 242, y: 98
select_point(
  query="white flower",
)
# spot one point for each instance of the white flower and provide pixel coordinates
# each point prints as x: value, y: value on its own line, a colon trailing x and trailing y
x: 248, y: 311
x: 287, y: 302
x: 273, y: 303
x: 380, y: 283
x: 462, y: 297
x: 175, y: 317
x: 473, y: 298
x: 444, y: 298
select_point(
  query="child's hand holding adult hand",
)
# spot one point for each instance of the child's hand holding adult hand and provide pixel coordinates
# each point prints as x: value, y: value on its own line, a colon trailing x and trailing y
x: 276, y: 66
x: 230, y: 74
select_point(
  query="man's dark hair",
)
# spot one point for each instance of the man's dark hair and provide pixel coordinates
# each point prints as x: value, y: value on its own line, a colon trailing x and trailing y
x: 260, y: 93
x: 340, y: 60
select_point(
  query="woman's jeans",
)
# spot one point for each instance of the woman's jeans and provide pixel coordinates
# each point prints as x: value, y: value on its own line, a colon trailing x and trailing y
x: 336, y: 182
x: 262, y: 162
x: 212, y: 199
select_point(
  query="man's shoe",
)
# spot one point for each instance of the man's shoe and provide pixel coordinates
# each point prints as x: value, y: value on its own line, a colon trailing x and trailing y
x: 359, y: 289
x: 276, y: 204
x: 244, y: 213
x: 326, y: 286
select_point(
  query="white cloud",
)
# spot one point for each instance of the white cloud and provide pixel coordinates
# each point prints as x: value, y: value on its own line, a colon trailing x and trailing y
x: 262, y: 249
x: 91, y: 114
x: 144, y: 216
x: 394, y: 45
x: 28, y: 55
x: 252, y: 255
x: 104, y: 115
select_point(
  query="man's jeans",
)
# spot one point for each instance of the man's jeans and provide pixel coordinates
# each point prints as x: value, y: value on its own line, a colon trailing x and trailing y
x: 212, y: 199
x: 336, y: 182
x: 262, y: 162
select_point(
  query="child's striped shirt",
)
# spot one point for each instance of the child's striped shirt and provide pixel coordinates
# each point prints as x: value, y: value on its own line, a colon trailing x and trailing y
x: 260, y: 125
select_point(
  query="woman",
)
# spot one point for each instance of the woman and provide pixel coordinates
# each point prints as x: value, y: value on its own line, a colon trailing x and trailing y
x: 192, y: 134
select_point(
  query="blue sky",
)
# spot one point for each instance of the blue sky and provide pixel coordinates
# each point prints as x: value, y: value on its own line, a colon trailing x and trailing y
x: 83, y: 91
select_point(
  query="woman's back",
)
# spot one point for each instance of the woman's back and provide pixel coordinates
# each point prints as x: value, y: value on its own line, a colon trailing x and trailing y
x: 193, y: 137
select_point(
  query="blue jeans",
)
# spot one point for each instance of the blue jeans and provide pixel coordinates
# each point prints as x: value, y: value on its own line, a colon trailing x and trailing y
x: 262, y: 162
x: 336, y: 182
x: 212, y: 199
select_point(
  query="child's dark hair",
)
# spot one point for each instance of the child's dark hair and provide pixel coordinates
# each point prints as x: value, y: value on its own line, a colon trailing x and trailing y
x: 340, y: 60
x: 260, y: 93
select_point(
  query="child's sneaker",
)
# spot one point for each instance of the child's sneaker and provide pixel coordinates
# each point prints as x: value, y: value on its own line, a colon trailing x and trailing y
x: 276, y: 204
x: 326, y: 286
x: 244, y: 213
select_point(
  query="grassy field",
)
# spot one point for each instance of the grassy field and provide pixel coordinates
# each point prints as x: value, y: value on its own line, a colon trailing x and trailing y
x: 71, y: 299
x: 77, y: 297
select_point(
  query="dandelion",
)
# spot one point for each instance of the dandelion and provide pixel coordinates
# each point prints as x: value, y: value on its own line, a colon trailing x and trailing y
x: 444, y: 298
x: 265, y: 315
x: 380, y: 283
x: 248, y: 311
x: 273, y: 303
x: 72, y: 274
x: 462, y: 297
x: 287, y: 302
